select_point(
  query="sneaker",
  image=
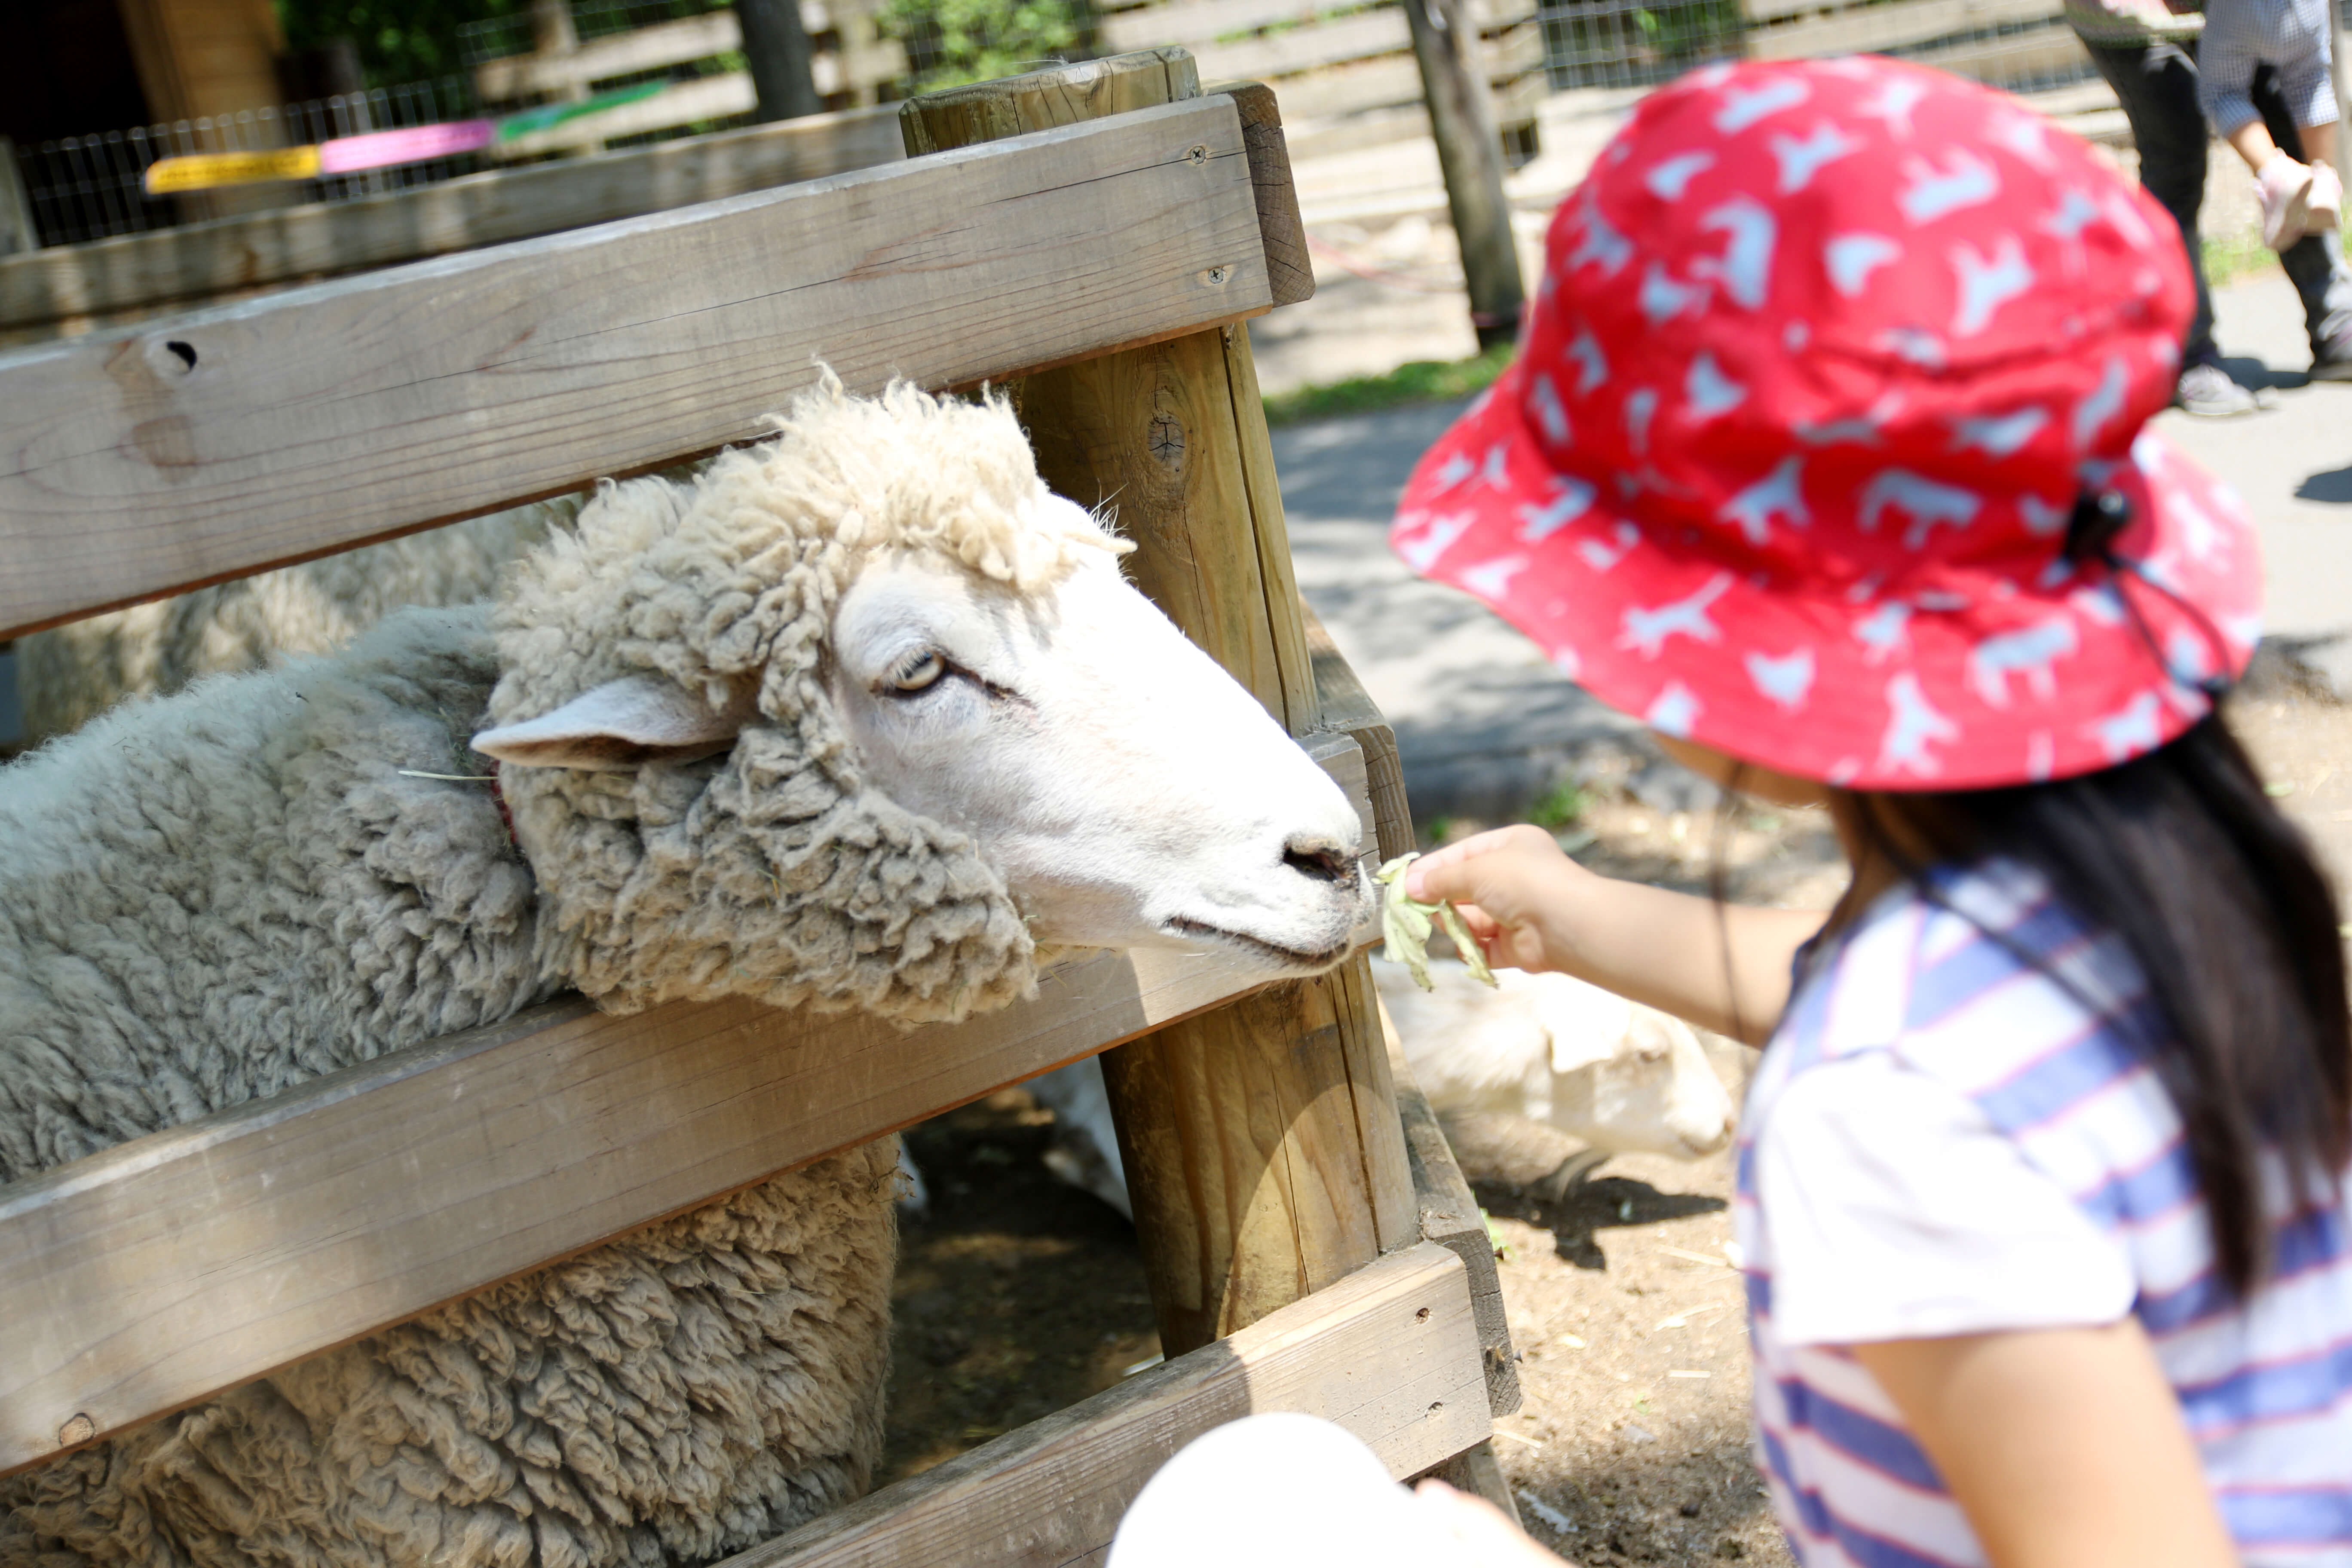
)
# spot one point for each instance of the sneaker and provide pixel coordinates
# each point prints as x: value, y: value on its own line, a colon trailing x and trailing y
x: 2326, y: 202
x: 2207, y: 391
x: 2285, y: 187
x: 2334, y: 359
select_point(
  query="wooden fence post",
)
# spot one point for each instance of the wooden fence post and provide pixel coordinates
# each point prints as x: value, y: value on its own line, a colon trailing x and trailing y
x: 776, y: 50
x: 1470, y: 152
x: 1262, y: 1145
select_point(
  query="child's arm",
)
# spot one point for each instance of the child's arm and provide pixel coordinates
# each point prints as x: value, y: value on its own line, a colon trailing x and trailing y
x: 2064, y: 1446
x: 1531, y: 907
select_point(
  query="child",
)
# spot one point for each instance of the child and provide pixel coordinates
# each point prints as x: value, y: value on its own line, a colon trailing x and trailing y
x: 2294, y: 37
x: 1824, y: 456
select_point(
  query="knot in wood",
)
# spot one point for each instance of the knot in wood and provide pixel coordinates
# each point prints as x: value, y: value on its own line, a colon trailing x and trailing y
x: 79, y: 1429
x: 1167, y: 441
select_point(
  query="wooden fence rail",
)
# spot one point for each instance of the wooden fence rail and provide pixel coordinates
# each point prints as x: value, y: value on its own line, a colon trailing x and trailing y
x: 173, y: 1267
x: 323, y: 417
x: 1258, y: 1122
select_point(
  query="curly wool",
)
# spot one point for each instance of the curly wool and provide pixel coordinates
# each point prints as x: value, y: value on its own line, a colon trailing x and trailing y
x: 214, y: 897
x: 776, y: 871
x: 68, y: 676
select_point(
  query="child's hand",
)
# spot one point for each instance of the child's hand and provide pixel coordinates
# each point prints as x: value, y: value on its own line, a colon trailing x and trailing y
x: 1512, y: 886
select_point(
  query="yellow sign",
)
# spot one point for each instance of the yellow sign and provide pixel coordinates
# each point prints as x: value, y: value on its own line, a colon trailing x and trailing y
x: 202, y: 171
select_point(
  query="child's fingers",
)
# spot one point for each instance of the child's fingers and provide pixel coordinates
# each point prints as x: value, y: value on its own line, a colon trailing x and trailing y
x: 1444, y: 870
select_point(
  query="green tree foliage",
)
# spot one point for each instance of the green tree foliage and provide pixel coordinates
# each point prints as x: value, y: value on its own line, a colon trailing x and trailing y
x: 399, y: 40
x: 950, y: 42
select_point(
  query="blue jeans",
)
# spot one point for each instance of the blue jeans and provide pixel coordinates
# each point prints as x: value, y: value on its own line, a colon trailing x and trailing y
x: 2157, y: 84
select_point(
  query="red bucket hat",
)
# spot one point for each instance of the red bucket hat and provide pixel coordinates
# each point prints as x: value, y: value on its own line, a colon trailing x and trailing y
x: 1825, y: 416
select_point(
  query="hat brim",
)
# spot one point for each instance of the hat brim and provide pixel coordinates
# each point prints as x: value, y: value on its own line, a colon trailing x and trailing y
x: 1976, y: 682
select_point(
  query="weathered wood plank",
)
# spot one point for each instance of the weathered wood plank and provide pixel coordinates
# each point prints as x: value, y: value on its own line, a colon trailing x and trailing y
x: 622, y: 53
x: 136, y: 271
x: 1290, y: 271
x: 1349, y: 710
x: 1450, y: 1216
x: 1195, y: 22
x: 166, y: 1269
x: 1388, y: 1353
x: 1862, y: 28
x: 142, y: 463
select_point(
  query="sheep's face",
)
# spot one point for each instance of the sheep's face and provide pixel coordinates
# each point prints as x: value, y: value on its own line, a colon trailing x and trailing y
x: 1656, y: 1094
x: 1130, y: 792
x: 860, y: 716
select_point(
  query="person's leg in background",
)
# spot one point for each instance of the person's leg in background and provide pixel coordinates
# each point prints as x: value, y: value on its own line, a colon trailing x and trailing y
x: 2156, y: 85
x: 2316, y: 262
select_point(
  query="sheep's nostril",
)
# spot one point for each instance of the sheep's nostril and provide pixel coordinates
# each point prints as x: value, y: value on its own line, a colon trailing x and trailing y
x: 1319, y: 862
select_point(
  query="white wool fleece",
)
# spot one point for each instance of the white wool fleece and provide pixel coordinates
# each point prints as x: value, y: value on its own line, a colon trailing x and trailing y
x: 213, y: 897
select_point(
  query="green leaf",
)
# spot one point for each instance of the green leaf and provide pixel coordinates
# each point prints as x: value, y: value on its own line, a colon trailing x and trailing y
x: 1405, y: 925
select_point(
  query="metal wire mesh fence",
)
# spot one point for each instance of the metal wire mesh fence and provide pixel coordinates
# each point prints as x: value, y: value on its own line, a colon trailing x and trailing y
x: 500, y: 37
x: 2021, y: 45
x: 90, y: 187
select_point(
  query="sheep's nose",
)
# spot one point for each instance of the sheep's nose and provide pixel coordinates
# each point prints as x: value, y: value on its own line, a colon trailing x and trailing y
x: 1320, y: 859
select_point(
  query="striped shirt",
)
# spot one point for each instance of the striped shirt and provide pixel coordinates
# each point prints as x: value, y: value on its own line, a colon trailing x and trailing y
x: 1941, y: 1140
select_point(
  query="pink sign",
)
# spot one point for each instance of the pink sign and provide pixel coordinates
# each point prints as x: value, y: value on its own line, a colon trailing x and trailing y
x: 382, y: 149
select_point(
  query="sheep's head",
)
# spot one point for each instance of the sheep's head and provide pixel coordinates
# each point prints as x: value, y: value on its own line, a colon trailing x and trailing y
x: 863, y: 715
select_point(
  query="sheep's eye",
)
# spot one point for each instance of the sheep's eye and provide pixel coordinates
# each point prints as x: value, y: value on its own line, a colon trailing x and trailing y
x: 918, y: 672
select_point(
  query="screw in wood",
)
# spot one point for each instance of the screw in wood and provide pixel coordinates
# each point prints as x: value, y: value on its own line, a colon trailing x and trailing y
x: 1198, y: 153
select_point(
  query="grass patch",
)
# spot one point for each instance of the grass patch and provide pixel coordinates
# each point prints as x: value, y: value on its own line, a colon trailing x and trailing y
x: 2230, y: 257
x: 1422, y: 381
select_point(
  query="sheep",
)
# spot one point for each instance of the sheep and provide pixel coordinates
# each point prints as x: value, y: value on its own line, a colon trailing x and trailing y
x: 1600, y: 1074
x: 856, y: 719
x: 68, y: 676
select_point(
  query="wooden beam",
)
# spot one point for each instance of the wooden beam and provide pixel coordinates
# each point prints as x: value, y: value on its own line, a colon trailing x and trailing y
x: 1388, y: 1353
x: 170, y: 1268
x: 1449, y: 1215
x: 137, y: 464
x: 1260, y: 1142
x: 1470, y: 151
x: 1349, y: 710
x: 1290, y: 270
x: 622, y: 53
x: 259, y: 250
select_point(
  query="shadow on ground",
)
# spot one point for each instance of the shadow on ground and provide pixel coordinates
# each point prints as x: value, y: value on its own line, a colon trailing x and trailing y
x: 2335, y: 485
x: 1605, y: 1202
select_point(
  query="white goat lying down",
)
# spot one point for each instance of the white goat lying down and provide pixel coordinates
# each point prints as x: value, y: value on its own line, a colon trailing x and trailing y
x: 1620, y: 1077
x: 863, y: 718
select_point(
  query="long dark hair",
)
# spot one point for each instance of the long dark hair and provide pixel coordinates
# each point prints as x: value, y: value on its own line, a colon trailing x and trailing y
x: 2181, y: 856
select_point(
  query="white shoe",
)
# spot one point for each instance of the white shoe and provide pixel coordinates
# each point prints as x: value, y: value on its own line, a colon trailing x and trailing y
x: 2326, y: 202
x: 2285, y: 187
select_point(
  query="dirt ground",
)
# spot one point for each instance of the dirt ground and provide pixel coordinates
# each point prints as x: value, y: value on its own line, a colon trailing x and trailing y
x: 1019, y: 1295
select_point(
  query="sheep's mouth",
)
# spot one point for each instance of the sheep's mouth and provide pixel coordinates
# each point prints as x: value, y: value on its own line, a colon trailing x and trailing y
x: 1312, y: 959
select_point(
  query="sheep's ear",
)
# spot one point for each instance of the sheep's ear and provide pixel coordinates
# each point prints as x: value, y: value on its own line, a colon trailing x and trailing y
x: 622, y: 723
x: 1587, y: 1024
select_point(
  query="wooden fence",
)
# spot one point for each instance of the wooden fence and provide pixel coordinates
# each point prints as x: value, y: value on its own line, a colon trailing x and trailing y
x: 1117, y: 226
x: 2004, y: 42
x: 853, y: 63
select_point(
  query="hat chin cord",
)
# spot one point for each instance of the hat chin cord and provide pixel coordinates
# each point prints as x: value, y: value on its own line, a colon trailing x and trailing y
x: 2099, y: 519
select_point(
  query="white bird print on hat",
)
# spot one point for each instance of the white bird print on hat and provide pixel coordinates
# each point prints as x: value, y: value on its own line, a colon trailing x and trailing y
x: 1964, y: 179
x: 1801, y: 158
